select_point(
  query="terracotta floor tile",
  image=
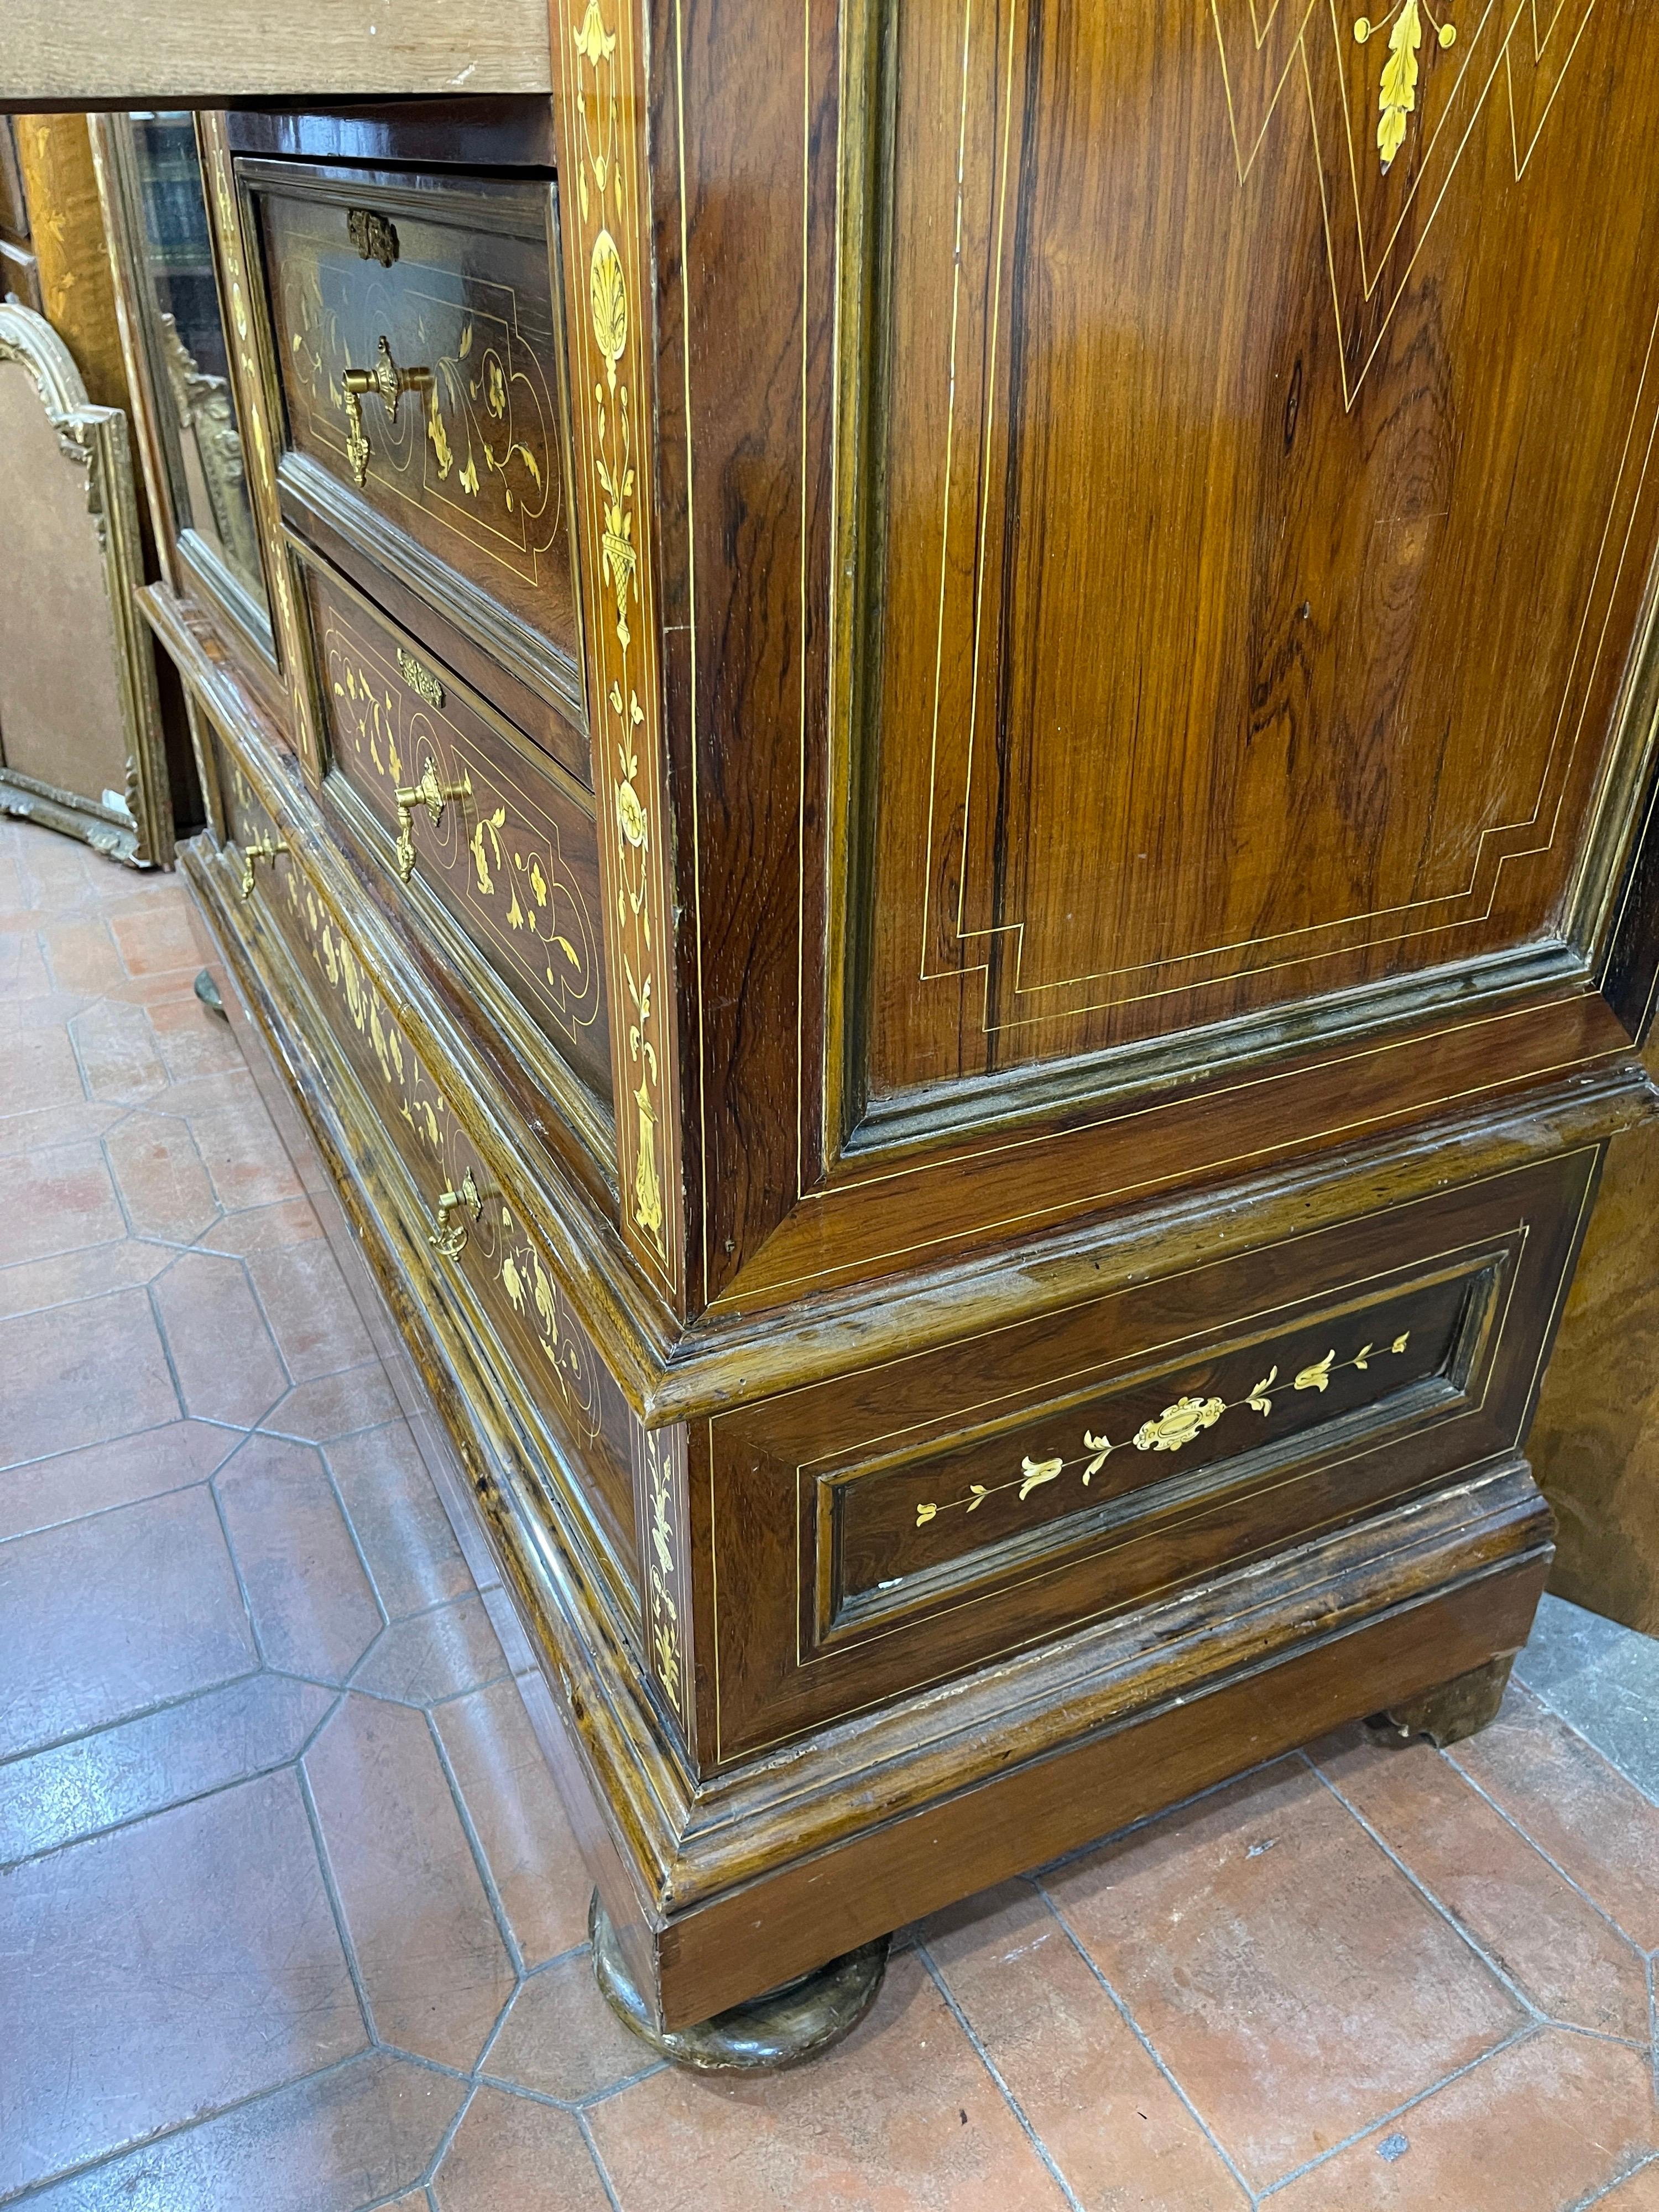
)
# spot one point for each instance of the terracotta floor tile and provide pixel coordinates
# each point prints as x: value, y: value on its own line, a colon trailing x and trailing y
x: 1289, y: 1975
x: 143, y: 1766
x: 243, y: 1155
x: 117, y: 1048
x: 561, y: 2037
x: 74, y: 1119
x: 1534, y: 2129
x: 108, y: 1616
x: 430, y: 1954
x: 875, y: 2126
x: 80, y: 1374
x: 342, y: 2140
x: 1596, y: 1825
x: 227, y: 1367
x: 1557, y: 1947
x: 310, y: 1313
x: 400, y: 1521
x: 425, y: 1656
x: 516, y: 1812
x: 336, y: 1405
x: 163, y: 1185
x: 512, y: 2156
x: 193, y: 1042
x: 157, y: 1973
x: 312, y: 1606
x: 49, y: 1492
x: 69, y: 1276
x: 264, y: 1228
x: 1110, y: 2121
x: 157, y: 938
x: 81, y: 955
x: 41, y: 1072
x: 1639, y: 2194
x: 67, y: 1202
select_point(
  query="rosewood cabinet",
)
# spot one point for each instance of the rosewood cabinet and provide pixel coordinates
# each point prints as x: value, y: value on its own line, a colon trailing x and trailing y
x: 950, y: 852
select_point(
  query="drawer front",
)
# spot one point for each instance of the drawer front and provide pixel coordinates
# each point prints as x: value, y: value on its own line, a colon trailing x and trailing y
x: 437, y: 294
x: 530, y: 1337
x: 866, y: 1537
x: 511, y: 865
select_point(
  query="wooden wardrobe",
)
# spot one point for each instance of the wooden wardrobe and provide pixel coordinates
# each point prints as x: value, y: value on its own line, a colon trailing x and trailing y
x: 943, y: 836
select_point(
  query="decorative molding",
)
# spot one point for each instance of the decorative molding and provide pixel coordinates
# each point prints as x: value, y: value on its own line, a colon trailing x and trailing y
x: 134, y: 824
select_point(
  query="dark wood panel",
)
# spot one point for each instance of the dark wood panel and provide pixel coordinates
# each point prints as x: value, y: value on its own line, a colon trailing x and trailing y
x: 513, y: 854
x: 450, y: 284
x: 1179, y: 327
x: 502, y: 132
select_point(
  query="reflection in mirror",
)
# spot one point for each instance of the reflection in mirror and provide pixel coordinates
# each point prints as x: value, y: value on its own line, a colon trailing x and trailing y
x: 209, y: 488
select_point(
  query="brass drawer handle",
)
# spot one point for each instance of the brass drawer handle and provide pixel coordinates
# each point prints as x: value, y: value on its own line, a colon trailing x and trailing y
x: 391, y: 382
x: 447, y: 1234
x: 434, y: 797
x: 262, y: 848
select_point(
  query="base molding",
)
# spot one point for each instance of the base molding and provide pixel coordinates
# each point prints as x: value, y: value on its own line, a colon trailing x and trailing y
x: 720, y: 1885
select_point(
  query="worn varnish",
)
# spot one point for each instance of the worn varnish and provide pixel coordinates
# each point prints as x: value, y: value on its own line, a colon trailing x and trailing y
x: 1105, y: 744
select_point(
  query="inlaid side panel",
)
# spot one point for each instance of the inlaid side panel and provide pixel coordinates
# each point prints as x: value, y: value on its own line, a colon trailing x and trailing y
x: 1258, y: 507
x: 473, y: 1229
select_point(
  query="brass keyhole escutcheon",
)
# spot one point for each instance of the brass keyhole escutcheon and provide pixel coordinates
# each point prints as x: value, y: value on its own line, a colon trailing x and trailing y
x: 262, y: 848
x: 391, y: 382
x: 434, y: 797
x: 449, y: 1233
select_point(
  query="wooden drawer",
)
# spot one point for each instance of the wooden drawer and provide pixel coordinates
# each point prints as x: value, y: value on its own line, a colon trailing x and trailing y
x: 524, y: 1328
x: 505, y: 881
x: 868, y: 1536
x: 449, y: 473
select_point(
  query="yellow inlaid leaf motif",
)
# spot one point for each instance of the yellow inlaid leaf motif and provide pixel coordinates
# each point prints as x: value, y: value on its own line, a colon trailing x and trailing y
x: 594, y: 42
x: 1318, y: 1377
x: 489, y: 826
x: 437, y: 434
x: 466, y: 345
x: 1178, y: 1424
x: 647, y: 1191
x: 1400, y: 1342
x: 1259, y: 1401
x: 1398, y: 96
x: 512, y: 1282
x: 607, y: 298
x: 468, y: 478
x: 1035, y: 1473
x: 538, y: 883
x: 925, y: 1514
x: 1101, y: 1446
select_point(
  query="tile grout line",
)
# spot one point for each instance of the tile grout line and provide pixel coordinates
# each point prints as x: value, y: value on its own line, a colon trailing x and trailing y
x: 142, y: 1713
x: 1436, y: 1905
x: 599, y: 2166
x: 1150, y: 1819
x: 486, y: 1874
x: 1600, y: 2194
x: 1543, y: 1698
x: 1485, y: 1795
x: 342, y: 1928
x: 1140, y: 2033
x: 1523, y: 2034
x: 995, y: 2074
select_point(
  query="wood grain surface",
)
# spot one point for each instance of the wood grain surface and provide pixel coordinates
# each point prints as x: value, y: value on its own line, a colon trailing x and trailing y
x: 202, y: 52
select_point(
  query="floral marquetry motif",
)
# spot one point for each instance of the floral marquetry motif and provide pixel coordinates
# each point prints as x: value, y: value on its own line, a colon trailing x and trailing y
x: 1171, y: 1431
x: 603, y: 219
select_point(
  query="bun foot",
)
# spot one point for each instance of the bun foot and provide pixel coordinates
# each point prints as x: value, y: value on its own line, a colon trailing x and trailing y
x: 782, y: 2027
x: 1451, y: 1710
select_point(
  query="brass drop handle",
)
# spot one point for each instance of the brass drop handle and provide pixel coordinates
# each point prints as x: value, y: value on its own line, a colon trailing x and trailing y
x: 391, y: 382
x: 434, y: 797
x: 262, y: 848
x: 447, y: 1234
